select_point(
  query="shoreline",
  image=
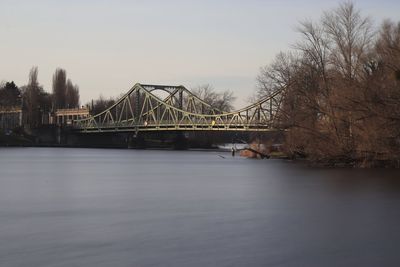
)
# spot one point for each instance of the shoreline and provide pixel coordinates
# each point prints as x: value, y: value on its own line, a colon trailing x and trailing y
x: 328, y: 163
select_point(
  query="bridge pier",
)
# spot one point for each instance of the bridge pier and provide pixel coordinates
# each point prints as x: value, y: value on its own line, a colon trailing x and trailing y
x: 181, y: 141
x: 136, y: 140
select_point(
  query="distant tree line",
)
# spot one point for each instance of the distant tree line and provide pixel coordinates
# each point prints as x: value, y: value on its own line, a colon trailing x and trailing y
x: 35, y: 101
x: 341, y: 87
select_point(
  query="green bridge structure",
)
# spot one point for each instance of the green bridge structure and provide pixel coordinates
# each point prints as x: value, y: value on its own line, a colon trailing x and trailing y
x: 141, y: 110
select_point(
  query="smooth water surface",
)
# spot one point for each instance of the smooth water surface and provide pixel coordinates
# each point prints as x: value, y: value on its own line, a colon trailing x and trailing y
x: 106, y: 207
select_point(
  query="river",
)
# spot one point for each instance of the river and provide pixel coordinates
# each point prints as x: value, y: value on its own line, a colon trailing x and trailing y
x: 109, y: 207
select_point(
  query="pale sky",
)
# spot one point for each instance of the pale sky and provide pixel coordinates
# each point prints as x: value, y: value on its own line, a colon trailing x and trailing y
x: 108, y: 46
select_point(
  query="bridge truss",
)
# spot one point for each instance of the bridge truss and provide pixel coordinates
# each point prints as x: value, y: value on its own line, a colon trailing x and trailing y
x: 140, y: 109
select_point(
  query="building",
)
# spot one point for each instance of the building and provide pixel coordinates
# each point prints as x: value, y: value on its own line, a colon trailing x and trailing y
x: 68, y: 115
x: 10, y: 117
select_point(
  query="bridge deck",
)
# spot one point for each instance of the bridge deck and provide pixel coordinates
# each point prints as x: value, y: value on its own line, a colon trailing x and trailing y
x: 252, y: 128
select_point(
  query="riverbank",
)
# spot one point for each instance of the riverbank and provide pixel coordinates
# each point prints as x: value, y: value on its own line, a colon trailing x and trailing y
x: 13, y: 139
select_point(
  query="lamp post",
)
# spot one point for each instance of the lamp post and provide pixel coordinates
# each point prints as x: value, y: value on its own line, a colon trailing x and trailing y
x: 22, y: 108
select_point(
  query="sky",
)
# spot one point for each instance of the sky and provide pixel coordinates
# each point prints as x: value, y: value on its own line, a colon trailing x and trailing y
x: 108, y: 46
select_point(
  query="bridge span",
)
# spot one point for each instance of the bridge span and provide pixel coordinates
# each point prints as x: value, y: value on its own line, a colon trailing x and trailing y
x: 141, y: 110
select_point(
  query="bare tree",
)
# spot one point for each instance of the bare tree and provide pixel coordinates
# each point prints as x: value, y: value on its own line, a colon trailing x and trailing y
x: 35, y: 100
x: 72, y: 95
x: 342, y: 92
x: 388, y: 46
x: 350, y: 35
x: 65, y: 93
x: 59, y: 88
x: 222, y: 101
x: 31, y: 98
x: 277, y: 75
x: 205, y: 92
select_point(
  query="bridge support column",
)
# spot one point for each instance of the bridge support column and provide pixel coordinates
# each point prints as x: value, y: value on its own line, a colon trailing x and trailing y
x: 180, y: 103
x: 137, y: 106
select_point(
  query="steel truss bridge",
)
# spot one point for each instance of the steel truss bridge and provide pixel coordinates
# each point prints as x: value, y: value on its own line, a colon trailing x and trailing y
x: 140, y: 109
